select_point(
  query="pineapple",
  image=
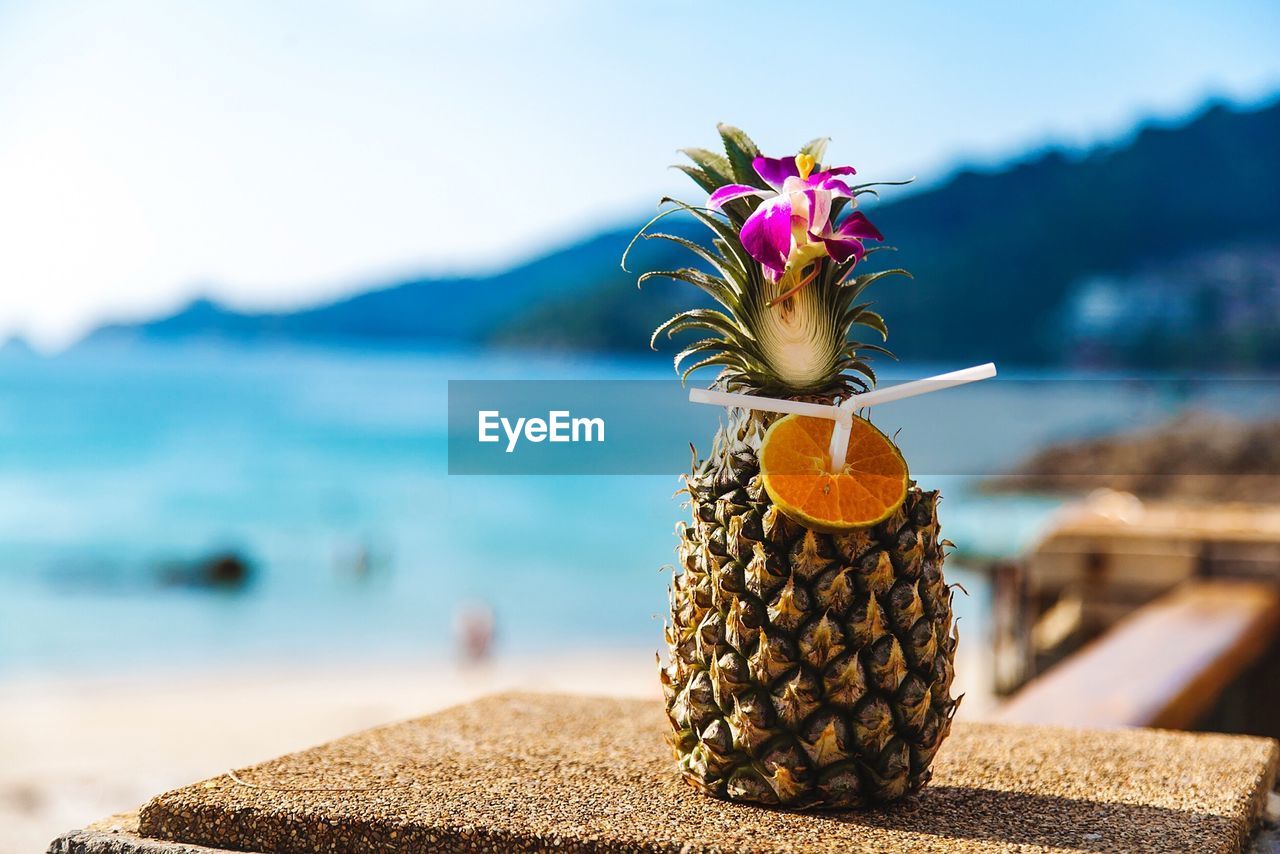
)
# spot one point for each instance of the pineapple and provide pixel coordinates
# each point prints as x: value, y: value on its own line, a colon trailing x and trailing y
x: 805, y: 669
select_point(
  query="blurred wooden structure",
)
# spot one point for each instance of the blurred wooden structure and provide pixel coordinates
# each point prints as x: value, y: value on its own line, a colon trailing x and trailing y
x: 1110, y: 555
x: 1167, y: 664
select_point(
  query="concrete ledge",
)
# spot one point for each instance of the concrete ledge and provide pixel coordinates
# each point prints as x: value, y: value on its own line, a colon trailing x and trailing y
x: 119, y: 835
x: 532, y: 772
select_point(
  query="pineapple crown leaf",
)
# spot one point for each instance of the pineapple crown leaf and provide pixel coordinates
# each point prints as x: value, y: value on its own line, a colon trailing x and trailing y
x: 710, y: 285
x: 871, y: 184
x: 724, y: 265
x: 725, y: 358
x: 702, y: 214
x: 740, y: 151
x: 699, y: 176
x: 861, y: 281
x: 702, y: 318
x: 713, y: 165
x: 860, y: 316
x: 816, y: 148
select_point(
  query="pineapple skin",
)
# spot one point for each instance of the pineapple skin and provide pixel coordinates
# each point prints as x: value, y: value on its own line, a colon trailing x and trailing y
x: 805, y: 670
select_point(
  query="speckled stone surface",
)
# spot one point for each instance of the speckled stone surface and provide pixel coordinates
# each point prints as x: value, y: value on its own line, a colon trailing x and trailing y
x: 119, y: 835
x: 532, y: 772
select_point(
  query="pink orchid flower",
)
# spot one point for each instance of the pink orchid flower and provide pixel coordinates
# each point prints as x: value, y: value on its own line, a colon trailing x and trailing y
x: 792, y: 226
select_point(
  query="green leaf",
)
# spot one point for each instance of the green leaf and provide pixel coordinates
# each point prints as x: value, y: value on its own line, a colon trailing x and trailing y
x: 862, y: 281
x: 816, y: 148
x: 700, y: 318
x: 871, y: 250
x: 880, y: 274
x: 697, y: 347
x: 726, y: 358
x: 701, y: 178
x: 730, y: 256
x: 864, y: 369
x: 857, y: 187
x: 857, y: 309
x: 701, y: 251
x: 848, y: 379
x: 714, y: 287
x: 873, y: 321
x: 729, y: 330
x: 860, y: 346
x: 643, y: 229
x: 721, y: 228
x: 741, y: 151
x: 716, y: 166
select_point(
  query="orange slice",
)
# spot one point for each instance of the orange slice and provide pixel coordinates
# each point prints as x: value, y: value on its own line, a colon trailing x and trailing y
x: 795, y: 466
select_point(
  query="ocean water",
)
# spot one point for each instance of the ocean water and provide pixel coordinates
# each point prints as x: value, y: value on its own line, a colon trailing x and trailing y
x: 116, y: 465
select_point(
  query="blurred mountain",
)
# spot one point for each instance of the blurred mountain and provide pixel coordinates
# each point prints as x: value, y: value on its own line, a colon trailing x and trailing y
x: 1008, y: 264
x: 426, y: 311
x: 998, y: 255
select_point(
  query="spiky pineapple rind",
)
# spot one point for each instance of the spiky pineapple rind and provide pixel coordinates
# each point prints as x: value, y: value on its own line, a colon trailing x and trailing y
x: 805, y: 670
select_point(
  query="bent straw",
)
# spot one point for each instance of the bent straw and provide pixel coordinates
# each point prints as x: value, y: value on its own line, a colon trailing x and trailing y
x: 842, y: 414
x: 840, y: 438
x: 766, y: 404
x: 924, y: 386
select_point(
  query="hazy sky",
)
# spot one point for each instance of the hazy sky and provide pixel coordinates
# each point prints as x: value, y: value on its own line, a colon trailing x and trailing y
x: 277, y: 153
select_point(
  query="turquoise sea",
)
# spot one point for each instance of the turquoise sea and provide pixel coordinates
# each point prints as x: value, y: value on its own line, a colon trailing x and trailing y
x: 115, y: 464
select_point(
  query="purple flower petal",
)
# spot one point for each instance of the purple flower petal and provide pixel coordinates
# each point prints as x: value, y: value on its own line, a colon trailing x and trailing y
x: 834, y: 186
x: 819, y: 209
x: 842, y: 248
x: 766, y: 235
x: 841, y: 170
x: 845, y: 241
x: 729, y: 192
x: 857, y: 225
x: 776, y: 170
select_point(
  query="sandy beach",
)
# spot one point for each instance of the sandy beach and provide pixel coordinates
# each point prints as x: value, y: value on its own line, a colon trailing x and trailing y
x: 76, y: 750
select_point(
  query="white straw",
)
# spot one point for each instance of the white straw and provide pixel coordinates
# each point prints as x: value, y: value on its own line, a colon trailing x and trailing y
x: 842, y: 414
x: 767, y: 404
x: 924, y: 386
x: 839, y: 444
